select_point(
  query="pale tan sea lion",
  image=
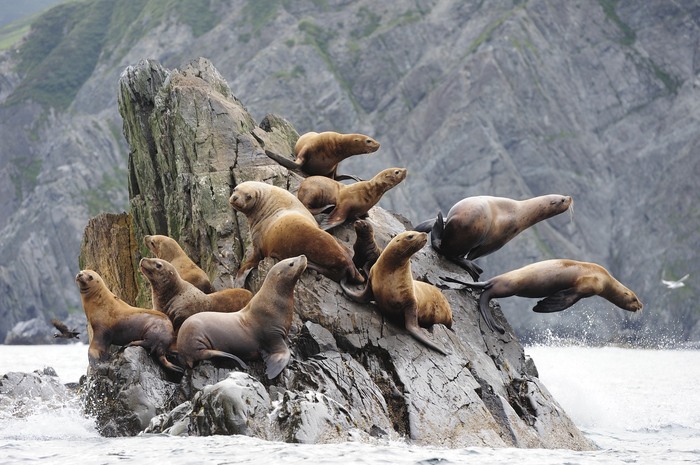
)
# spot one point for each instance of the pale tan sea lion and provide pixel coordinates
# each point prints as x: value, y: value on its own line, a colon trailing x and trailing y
x: 351, y: 201
x: 478, y: 226
x: 318, y: 154
x: 113, y: 321
x: 398, y: 295
x: 258, y: 331
x: 561, y: 282
x: 179, y: 299
x: 281, y: 227
x: 168, y: 249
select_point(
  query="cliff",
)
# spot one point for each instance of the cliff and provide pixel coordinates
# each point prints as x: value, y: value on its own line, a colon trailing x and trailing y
x: 595, y: 99
x: 352, y: 373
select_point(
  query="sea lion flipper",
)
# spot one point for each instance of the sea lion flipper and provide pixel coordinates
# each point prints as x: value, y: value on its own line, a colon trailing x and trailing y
x: 276, y: 362
x: 425, y: 226
x: 362, y: 296
x: 209, y: 353
x: 169, y: 365
x: 418, y: 333
x: 284, y: 161
x: 486, y: 314
x: 344, y: 177
x: 558, y: 301
x: 469, y: 266
x: 332, y: 220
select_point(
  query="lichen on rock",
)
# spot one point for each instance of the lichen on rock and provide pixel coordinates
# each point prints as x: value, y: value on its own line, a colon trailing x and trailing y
x: 352, y: 374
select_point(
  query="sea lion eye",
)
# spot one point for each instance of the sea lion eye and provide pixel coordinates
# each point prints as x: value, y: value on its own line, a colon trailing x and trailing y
x: 248, y: 196
x: 368, y: 141
x: 159, y: 265
x: 90, y: 277
x: 410, y: 236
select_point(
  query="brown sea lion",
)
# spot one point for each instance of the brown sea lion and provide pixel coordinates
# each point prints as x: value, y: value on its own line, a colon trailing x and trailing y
x: 561, y: 282
x: 281, y: 227
x: 113, y: 321
x: 478, y: 226
x: 352, y: 201
x: 318, y: 154
x: 366, y: 251
x: 179, y: 299
x: 168, y: 249
x: 398, y: 295
x: 258, y: 331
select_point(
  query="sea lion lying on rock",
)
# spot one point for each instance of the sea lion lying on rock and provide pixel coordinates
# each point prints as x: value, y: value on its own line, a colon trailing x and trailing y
x: 168, y: 249
x: 561, y: 282
x: 258, y: 330
x: 113, y: 321
x: 318, y: 193
x: 281, y: 227
x: 179, y: 299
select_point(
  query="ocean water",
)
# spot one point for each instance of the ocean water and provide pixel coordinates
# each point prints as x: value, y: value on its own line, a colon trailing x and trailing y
x: 639, y: 406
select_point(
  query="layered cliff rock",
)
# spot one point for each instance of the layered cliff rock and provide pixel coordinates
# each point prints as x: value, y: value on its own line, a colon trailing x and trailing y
x: 596, y: 99
x: 351, y: 372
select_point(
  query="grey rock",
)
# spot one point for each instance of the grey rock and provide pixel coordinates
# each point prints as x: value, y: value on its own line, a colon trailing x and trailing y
x: 22, y: 394
x: 34, y: 331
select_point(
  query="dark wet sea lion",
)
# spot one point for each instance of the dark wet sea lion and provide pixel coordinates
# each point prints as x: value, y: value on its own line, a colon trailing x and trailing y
x: 560, y: 282
x: 258, y: 331
x: 366, y: 251
x: 478, y: 226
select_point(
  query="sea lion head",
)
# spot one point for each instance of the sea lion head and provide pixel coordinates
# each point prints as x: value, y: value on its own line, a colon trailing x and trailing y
x: 407, y: 243
x: 365, y: 143
x: 157, y: 271
x: 152, y: 243
x: 86, y: 280
x: 245, y: 196
x: 559, y: 203
x: 629, y: 301
x: 289, y: 268
x: 363, y: 229
x: 390, y: 177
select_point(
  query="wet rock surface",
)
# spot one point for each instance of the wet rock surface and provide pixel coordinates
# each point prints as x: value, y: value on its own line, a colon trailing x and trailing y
x: 352, y: 373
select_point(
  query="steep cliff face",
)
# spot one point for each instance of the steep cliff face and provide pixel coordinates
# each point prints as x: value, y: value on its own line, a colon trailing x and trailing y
x: 191, y: 140
x: 594, y: 99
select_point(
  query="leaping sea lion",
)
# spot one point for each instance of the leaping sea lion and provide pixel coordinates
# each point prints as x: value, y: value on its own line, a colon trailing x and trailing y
x: 398, y: 295
x: 478, y: 226
x: 281, y: 227
x: 561, y: 282
x: 318, y: 154
x: 113, y: 321
x: 168, y: 249
x: 258, y: 331
x: 351, y: 201
x: 179, y: 299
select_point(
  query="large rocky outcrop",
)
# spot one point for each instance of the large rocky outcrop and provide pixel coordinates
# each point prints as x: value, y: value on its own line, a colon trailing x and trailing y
x: 351, y: 372
x: 597, y: 99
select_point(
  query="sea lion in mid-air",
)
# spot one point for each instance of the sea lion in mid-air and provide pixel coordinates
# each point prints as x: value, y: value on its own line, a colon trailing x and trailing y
x: 561, y: 282
x: 113, y: 321
x: 318, y: 193
x: 478, y: 226
x: 168, y: 249
x: 281, y: 227
x: 179, y: 299
x: 318, y: 154
x: 258, y: 331
x: 398, y: 295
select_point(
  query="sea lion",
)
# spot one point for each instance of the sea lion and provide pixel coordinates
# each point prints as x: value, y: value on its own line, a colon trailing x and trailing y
x: 179, y: 299
x: 366, y: 251
x: 281, y: 227
x: 113, y: 321
x: 478, y: 226
x: 561, y: 282
x: 168, y: 249
x: 317, y: 193
x: 397, y: 294
x: 318, y: 154
x: 259, y: 330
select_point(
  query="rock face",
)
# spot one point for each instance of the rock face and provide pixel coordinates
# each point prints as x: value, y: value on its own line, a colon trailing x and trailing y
x: 592, y: 98
x: 351, y: 372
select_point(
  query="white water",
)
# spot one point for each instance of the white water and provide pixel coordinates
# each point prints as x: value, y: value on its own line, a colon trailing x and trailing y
x: 639, y: 406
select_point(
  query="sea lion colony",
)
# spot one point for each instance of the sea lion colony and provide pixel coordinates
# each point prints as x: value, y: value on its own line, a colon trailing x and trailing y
x: 283, y: 226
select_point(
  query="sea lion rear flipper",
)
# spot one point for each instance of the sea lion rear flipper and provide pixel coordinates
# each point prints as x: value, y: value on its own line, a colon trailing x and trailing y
x: 220, y: 353
x: 425, y: 226
x: 558, y: 301
x: 469, y: 266
x: 479, y: 285
x: 284, y: 161
x: 344, y: 177
x: 169, y: 365
x: 486, y: 314
x: 362, y: 296
x: 276, y: 362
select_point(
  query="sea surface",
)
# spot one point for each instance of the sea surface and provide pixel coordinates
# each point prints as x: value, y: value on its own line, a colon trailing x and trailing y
x: 639, y: 406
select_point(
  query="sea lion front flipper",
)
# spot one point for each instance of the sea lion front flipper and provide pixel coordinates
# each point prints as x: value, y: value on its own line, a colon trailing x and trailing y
x: 425, y: 226
x: 558, y: 301
x: 485, y: 311
x: 469, y: 266
x: 418, y: 333
x: 436, y: 233
x: 210, y: 353
x: 332, y: 220
x: 169, y: 365
x: 284, y: 161
x: 276, y: 362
